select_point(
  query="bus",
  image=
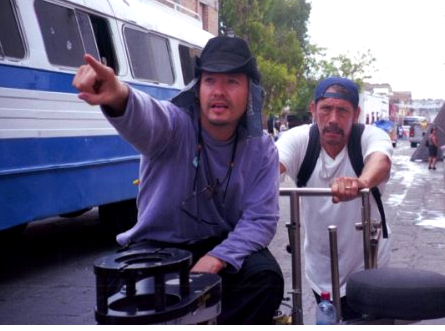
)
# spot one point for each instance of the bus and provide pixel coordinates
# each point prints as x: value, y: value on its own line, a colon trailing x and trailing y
x: 59, y: 155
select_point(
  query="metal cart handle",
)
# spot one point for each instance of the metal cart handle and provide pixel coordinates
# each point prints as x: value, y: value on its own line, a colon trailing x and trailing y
x: 370, y: 244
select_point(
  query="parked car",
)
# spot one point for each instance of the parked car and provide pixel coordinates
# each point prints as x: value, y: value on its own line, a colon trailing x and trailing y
x: 406, y: 125
x: 416, y: 132
x: 390, y: 128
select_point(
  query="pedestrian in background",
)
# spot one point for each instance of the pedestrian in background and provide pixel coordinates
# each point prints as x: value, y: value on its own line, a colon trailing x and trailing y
x: 400, y: 132
x: 209, y: 177
x: 432, y: 149
x: 335, y: 111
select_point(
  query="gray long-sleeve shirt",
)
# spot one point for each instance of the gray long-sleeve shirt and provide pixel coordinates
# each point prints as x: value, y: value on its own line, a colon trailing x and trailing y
x: 168, y: 211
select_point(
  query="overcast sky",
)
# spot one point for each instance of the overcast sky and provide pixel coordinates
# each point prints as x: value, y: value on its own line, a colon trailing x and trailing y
x: 407, y: 37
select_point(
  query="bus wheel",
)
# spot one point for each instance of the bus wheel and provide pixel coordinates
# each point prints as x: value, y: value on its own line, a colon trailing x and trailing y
x: 119, y: 216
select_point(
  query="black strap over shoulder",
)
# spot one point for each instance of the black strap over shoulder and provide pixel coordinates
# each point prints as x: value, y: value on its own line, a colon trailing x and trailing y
x: 355, y: 148
x: 310, y: 158
x: 355, y: 155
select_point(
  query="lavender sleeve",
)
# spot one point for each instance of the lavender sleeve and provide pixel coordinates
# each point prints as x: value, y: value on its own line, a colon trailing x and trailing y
x: 146, y: 123
x: 257, y: 226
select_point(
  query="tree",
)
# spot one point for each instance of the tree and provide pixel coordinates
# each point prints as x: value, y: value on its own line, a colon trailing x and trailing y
x: 357, y: 67
x: 276, y: 31
x: 276, y: 40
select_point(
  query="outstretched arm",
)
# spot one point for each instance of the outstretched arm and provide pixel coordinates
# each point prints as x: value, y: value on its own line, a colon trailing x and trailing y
x: 98, y: 85
x: 377, y: 169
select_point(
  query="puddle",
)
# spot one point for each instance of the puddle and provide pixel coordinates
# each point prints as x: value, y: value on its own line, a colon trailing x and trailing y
x: 432, y: 223
x: 408, y: 174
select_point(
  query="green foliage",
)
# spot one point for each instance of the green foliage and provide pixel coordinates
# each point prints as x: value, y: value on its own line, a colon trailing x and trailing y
x: 290, y: 16
x: 357, y: 67
x: 276, y: 31
x: 278, y: 84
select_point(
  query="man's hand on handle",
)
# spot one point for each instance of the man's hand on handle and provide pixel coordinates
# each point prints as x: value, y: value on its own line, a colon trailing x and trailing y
x: 346, y: 188
x: 377, y: 169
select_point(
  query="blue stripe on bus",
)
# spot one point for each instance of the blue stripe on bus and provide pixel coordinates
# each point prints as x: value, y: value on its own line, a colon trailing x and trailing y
x: 35, y: 79
x: 44, y: 177
x: 25, y: 154
x: 51, y: 81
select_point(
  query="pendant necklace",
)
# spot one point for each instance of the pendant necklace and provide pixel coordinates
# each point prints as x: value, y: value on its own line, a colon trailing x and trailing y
x: 197, y: 161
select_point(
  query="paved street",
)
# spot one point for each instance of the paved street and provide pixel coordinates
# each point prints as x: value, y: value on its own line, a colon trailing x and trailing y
x: 46, y: 274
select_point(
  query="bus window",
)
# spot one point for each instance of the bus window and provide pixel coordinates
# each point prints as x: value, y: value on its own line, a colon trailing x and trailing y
x: 60, y: 34
x: 96, y: 38
x: 104, y: 42
x: 86, y: 31
x: 149, y: 56
x: 11, y: 42
x: 187, y: 57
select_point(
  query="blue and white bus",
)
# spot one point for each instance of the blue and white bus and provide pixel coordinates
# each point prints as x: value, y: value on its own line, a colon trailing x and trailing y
x: 58, y: 155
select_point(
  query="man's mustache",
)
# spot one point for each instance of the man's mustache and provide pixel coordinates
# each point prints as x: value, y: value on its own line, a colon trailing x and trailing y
x: 333, y: 129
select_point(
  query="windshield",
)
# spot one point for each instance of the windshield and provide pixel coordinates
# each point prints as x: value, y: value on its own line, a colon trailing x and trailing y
x: 413, y: 119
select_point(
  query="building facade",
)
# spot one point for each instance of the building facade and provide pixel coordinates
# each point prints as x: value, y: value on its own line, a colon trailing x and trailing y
x: 206, y: 10
x: 374, y: 107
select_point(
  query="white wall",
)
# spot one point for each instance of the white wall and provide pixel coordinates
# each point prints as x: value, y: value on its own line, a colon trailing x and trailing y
x: 373, y: 103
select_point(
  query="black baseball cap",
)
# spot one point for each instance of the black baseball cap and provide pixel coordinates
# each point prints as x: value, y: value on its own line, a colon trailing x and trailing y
x: 224, y: 54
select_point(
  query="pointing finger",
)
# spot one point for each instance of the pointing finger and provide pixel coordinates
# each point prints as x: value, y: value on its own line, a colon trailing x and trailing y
x: 85, y: 79
x: 100, y: 69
